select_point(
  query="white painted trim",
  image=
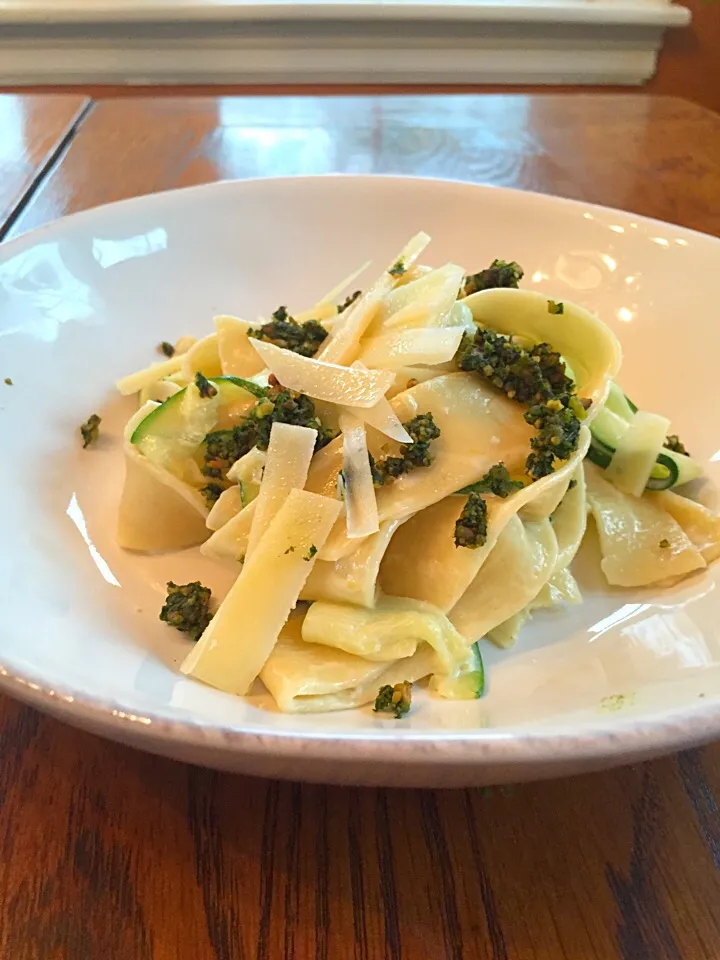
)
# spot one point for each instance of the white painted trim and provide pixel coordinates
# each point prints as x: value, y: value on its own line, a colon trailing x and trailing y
x: 401, y: 41
x: 661, y: 12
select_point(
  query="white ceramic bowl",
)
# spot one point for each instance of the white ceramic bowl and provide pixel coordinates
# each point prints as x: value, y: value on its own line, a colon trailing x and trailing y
x: 629, y: 674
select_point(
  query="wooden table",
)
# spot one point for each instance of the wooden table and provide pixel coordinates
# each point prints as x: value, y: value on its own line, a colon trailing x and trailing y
x: 109, y: 854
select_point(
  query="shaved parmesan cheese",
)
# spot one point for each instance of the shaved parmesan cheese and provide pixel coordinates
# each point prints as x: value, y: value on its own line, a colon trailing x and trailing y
x: 636, y: 452
x: 383, y: 418
x: 322, y: 312
x: 227, y: 506
x: 408, y: 255
x: 461, y: 316
x: 410, y: 317
x: 425, y: 345
x: 286, y: 468
x: 342, y: 344
x: 240, y: 637
x: 202, y: 357
x: 413, y: 273
x: 237, y: 357
x: 135, y: 382
x: 360, y: 506
x: 325, y: 381
x: 230, y: 542
x: 436, y: 293
x: 640, y: 543
x: 408, y: 377
x: 332, y: 295
x: 249, y: 467
x: 326, y: 307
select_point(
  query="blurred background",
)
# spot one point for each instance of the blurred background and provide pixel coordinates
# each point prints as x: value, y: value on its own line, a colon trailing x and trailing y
x: 116, y: 47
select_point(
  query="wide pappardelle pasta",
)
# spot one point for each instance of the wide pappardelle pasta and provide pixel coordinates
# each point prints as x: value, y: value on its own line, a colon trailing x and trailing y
x: 396, y: 477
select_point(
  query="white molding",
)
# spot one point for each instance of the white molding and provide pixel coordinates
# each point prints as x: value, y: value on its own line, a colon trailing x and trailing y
x: 402, y: 41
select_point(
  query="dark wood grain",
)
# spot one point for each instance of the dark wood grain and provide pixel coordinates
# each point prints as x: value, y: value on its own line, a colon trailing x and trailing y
x: 33, y: 132
x: 108, y: 853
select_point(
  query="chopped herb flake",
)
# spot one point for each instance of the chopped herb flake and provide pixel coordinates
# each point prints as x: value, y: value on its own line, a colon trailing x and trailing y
x: 187, y: 608
x: 496, y: 481
x: 673, y: 442
x: 536, y: 377
x: 500, y: 273
x: 166, y: 348
x: 471, y: 525
x: 285, y: 332
x: 555, y: 308
x: 90, y: 430
x: 211, y: 492
x: 395, y: 699
x: 423, y: 431
x: 205, y: 388
x: 349, y: 301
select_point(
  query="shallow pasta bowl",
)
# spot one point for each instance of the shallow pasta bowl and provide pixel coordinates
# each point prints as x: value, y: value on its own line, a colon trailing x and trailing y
x: 629, y: 674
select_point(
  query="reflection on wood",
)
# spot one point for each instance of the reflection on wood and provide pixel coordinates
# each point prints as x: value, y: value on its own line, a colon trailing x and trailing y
x: 32, y: 131
x: 657, y: 157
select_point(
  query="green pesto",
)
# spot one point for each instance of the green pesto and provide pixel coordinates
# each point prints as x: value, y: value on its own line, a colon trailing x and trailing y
x: 674, y: 443
x: 187, y: 608
x: 283, y: 331
x: 536, y: 377
x: 496, y: 481
x: 90, y: 430
x: 205, y: 387
x: 500, y: 273
x: 471, y: 525
x: 423, y: 430
x: 349, y: 301
x: 395, y: 699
